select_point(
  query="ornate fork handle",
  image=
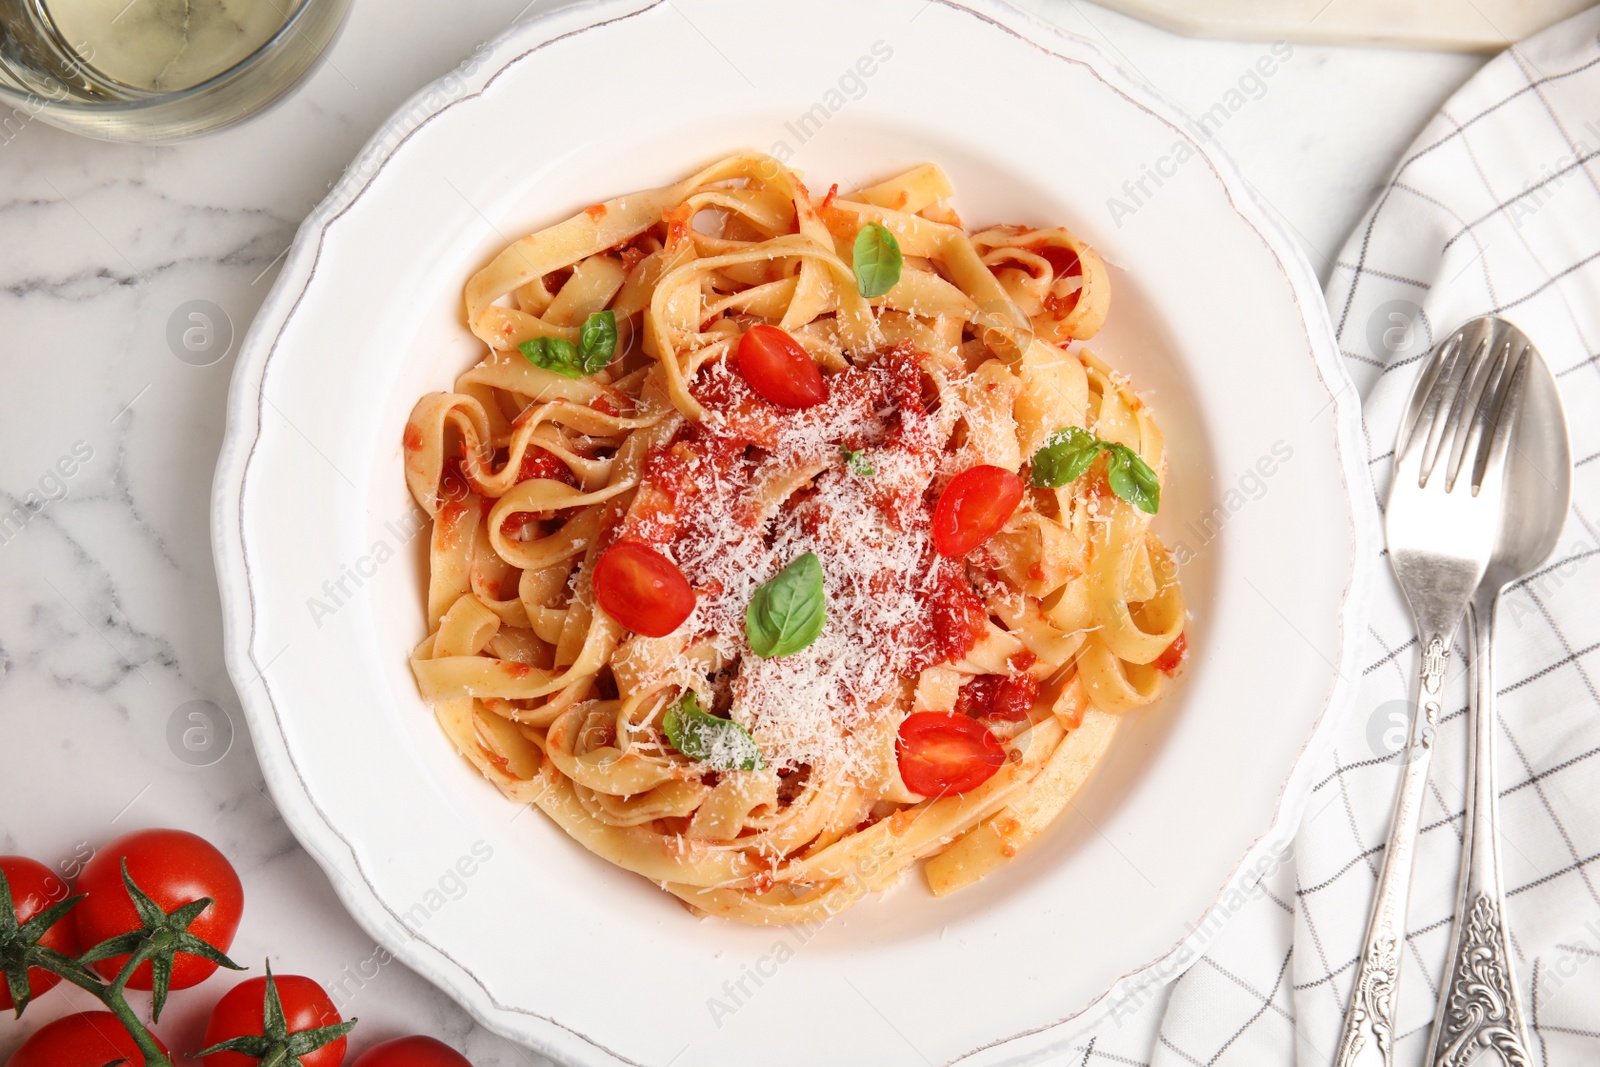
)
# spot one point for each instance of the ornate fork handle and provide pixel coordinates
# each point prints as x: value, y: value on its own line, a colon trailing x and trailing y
x: 1368, y: 1036
x: 1479, y: 1007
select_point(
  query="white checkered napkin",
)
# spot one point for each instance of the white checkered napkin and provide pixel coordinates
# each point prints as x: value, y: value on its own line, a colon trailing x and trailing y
x: 1495, y: 208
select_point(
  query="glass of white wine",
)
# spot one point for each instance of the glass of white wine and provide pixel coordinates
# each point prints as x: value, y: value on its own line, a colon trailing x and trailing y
x: 154, y: 70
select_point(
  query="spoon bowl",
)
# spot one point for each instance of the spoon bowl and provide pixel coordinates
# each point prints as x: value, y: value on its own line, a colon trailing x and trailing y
x: 1538, y: 488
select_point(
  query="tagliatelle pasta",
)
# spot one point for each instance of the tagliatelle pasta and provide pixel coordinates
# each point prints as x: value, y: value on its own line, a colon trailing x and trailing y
x: 781, y: 542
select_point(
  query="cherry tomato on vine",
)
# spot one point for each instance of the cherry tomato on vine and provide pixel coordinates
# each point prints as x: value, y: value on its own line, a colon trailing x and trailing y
x: 172, y: 867
x: 89, y: 1039
x: 973, y: 507
x: 241, y: 1013
x: 642, y: 589
x: 941, y: 752
x: 415, y: 1051
x: 35, y: 887
x: 779, y: 370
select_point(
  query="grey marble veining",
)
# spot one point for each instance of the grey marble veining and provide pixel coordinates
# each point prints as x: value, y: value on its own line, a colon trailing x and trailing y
x: 109, y: 623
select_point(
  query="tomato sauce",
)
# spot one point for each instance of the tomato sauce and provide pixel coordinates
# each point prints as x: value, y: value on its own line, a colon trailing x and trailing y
x: 997, y: 696
x: 1169, y: 661
x: 538, y: 463
x: 633, y: 250
x: 520, y: 525
x: 677, y: 220
x: 1060, y: 306
x: 955, y: 618
x: 453, y: 484
x: 1064, y: 261
x: 1021, y: 661
x: 632, y: 256
x: 451, y: 526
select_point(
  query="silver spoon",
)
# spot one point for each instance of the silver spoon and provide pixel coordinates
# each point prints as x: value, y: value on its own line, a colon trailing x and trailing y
x: 1479, y: 1007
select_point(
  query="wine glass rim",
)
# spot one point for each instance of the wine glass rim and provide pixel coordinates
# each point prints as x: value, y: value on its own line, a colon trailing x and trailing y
x: 150, y: 99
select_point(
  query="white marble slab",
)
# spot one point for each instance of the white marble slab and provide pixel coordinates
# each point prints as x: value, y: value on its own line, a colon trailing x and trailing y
x: 109, y: 622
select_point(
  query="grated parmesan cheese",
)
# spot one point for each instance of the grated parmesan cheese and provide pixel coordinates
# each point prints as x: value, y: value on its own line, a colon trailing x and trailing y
x: 870, y: 533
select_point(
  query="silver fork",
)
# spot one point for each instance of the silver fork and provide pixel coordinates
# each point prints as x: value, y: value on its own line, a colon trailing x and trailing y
x: 1441, y: 520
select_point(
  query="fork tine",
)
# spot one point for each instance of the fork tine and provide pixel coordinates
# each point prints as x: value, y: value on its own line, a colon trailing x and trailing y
x: 1451, y: 401
x: 1448, y: 402
x: 1491, y: 465
x: 1476, y: 407
x: 1420, y: 391
x: 1429, y: 396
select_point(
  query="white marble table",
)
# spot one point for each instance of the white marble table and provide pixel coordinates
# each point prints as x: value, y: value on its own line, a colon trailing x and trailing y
x: 109, y: 622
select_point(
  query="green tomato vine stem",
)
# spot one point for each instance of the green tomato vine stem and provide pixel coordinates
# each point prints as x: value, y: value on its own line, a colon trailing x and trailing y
x: 113, y: 996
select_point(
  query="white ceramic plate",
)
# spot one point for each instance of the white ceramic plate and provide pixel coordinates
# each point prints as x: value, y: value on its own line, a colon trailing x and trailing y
x: 1215, y: 316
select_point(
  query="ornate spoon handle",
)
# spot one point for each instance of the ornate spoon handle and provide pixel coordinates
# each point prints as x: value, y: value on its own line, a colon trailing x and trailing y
x: 1479, y: 1007
x: 1368, y: 1036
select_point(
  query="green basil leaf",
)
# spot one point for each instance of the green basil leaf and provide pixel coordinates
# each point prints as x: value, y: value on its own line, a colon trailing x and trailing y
x: 787, y: 613
x: 1064, y: 456
x: 597, y: 341
x: 721, y: 743
x: 596, y: 347
x: 1119, y: 477
x: 856, y: 460
x: 552, y: 353
x: 876, y: 260
x: 1131, y: 478
x: 1068, y: 453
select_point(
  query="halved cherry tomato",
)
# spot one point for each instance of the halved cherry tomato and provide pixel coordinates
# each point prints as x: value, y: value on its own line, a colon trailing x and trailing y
x: 779, y: 370
x: 88, y: 1039
x: 173, y: 868
x: 35, y: 887
x: 973, y: 507
x: 241, y: 1012
x: 1169, y: 660
x: 642, y: 589
x: 942, y: 752
x: 417, y: 1051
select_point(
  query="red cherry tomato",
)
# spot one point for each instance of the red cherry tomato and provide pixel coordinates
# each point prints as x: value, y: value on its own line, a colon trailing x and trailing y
x: 642, y: 589
x: 241, y: 1012
x: 417, y: 1051
x: 779, y: 370
x: 89, y: 1039
x: 942, y: 752
x: 173, y: 868
x: 35, y: 887
x: 973, y: 507
x: 1168, y: 661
